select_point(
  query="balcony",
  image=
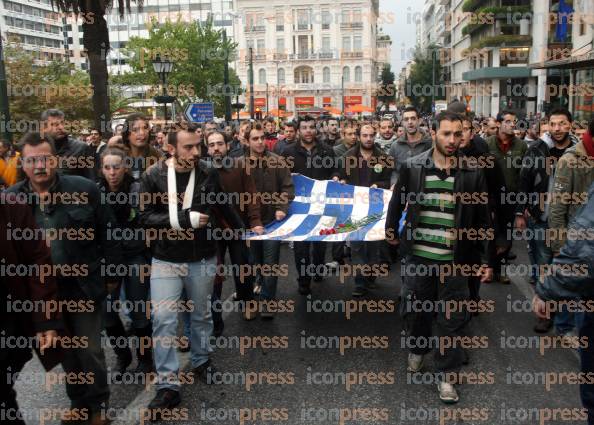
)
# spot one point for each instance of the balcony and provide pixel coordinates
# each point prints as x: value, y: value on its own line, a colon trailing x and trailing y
x: 326, y: 55
x: 503, y: 41
x: 280, y: 56
x: 351, y: 55
x: 302, y: 27
x: 257, y: 57
x: 351, y: 25
x: 255, y: 28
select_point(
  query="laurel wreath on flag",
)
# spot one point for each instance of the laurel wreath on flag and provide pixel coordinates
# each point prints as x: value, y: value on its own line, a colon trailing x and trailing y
x: 350, y: 225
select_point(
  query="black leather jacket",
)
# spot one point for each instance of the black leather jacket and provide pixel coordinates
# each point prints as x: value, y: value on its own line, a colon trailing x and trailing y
x: 187, y: 245
x: 469, y: 182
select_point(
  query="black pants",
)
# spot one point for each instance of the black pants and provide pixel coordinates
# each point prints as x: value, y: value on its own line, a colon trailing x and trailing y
x: 586, y: 328
x: 423, y: 300
x: 309, y: 264
x: 239, y: 254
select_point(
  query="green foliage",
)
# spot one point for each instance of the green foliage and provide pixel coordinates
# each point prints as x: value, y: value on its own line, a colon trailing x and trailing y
x: 420, y: 84
x: 503, y: 41
x: 387, y: 89
x: 199, y: 54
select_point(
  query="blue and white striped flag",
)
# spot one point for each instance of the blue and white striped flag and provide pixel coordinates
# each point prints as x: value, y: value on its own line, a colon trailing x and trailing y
x: 356, y: 213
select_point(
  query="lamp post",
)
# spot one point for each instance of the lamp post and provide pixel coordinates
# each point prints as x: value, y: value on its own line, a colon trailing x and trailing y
x: 433, y: 50
x: 163, y: 68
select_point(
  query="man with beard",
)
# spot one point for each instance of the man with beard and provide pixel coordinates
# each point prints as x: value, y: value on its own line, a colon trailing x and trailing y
x: 183, y: 258
x: 413, y: 143
x: 365, y: 165
x: 235, y: 181
x: 290, y: 133
x: 573, y: 177
x: 97, y: 145
x: 74, y: 156
x: 350, y: 137
x: 385, y: 137
x: 316, y: 160
x: 507, y: 151
x: 63, y: 204
x: 431, y: 246
x: 474, y: 148
x: 272, y: 180
x: 332, y: 130
x: 399, y: 131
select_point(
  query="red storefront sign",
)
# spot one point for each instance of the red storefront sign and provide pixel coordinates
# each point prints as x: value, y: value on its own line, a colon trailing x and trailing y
x: 327, y: 102
x: 304, y: 102
x: 352, y: 101
x: 259, y: 101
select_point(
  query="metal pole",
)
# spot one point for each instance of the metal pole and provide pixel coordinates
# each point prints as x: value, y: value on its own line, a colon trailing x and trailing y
x: 251, y: 82
x: 433, y: 81
x: 342, y: 93
x: 266, y: 98
x: 4, y: 105
x: 164, y: 79
x: 226, y: 79
x: 237, y: 103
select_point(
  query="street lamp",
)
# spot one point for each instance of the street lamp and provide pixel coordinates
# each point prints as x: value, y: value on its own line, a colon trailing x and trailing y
x: 163, y: 68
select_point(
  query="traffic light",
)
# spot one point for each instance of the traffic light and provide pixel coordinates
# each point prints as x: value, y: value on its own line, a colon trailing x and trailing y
x: 258, y: 114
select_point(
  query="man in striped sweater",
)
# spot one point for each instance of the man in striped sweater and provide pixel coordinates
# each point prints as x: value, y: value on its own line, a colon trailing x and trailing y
x: 447, y: 205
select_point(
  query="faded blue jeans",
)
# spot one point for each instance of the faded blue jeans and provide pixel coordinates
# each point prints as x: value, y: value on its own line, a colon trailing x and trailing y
x: 266, y: 252
x: 168, y: 280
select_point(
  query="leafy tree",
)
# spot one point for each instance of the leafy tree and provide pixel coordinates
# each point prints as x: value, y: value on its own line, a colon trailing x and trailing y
x: 199, y: 54
x: 387, y: 88
x: 96, y: 43
x: 420, y: 84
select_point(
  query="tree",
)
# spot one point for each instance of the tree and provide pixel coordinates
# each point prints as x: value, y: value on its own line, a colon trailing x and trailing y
x: 199, y: 54
x: 387, y: 88
x: 96, y: 43
x: 420, y: 84
x: 34, y: 88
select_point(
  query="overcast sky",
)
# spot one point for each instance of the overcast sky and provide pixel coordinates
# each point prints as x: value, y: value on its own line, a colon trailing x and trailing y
x: 399, y: 17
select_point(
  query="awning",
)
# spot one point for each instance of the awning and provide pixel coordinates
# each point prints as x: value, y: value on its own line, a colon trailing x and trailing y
x: 585, y: 60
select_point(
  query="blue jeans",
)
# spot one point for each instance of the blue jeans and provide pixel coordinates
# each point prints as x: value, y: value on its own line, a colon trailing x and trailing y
x: 363, y: 252
x: 168, y: 280
x: 266, y: 252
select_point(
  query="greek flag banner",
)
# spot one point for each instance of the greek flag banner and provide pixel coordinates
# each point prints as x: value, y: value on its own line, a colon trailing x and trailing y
x: 329, y: 211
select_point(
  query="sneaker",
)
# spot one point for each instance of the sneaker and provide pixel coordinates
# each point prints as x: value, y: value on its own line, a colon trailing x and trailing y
x: 204, y: 371
x: 359, y: 292
x: 543, y: 326
x: 266, y: 314
x: 415, y: 362
x: 165, y: 399
x: 333, y: 265
x: 447, y: 392
x: 257, y: 289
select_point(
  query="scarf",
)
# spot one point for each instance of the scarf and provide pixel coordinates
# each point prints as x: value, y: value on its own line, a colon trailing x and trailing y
x: 172, y: 194
x: 588, y: 144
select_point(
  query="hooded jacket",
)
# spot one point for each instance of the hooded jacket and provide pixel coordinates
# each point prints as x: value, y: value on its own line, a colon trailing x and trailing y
x: 573, y: 176
x: 401, y: 151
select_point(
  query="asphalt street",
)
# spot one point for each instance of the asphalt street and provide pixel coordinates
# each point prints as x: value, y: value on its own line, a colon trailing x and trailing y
x: 319, y: 365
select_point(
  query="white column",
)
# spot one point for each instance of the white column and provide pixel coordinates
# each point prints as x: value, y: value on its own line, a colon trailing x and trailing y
x: 495, y: 100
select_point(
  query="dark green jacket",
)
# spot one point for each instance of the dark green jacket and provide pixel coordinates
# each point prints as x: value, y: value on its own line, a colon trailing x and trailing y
x: 510, y: 163
x: 88, y: 248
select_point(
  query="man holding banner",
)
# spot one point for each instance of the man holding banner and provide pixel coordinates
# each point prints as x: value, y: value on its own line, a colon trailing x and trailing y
x: 448, y: 219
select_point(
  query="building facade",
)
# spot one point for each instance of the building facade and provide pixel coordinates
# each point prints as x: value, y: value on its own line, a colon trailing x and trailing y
x: 35, y: 26
x: 316, y: 54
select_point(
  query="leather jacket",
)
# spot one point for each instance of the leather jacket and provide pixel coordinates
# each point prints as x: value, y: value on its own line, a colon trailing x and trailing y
x: 469, y: 215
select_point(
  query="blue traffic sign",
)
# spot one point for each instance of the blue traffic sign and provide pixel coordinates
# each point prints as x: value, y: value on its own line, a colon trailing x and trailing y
x: 200, y: 112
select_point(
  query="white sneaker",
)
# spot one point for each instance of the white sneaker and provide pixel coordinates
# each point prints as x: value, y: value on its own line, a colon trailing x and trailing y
x: 333, y: 265
x: 447, y: 392
x: 415, y: 362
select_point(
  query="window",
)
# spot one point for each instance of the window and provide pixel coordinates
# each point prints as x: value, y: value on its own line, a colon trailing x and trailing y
x: 260, y: 45
x: 326, y: 19
x: 303, y: 19
x: 250, y: 44
x: 304, y: 75
x: 280, y: 45
x: 280, y: 21
x: 326, y: 74
x: 281, y: 76
x: 357, y: 15
x: 346, y: 15
x: 358, y: 74
x: 346, y: 74
x: 346, y: 44
x: 262, y: 76
x: 357, y: 43
x: 325, y: 44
